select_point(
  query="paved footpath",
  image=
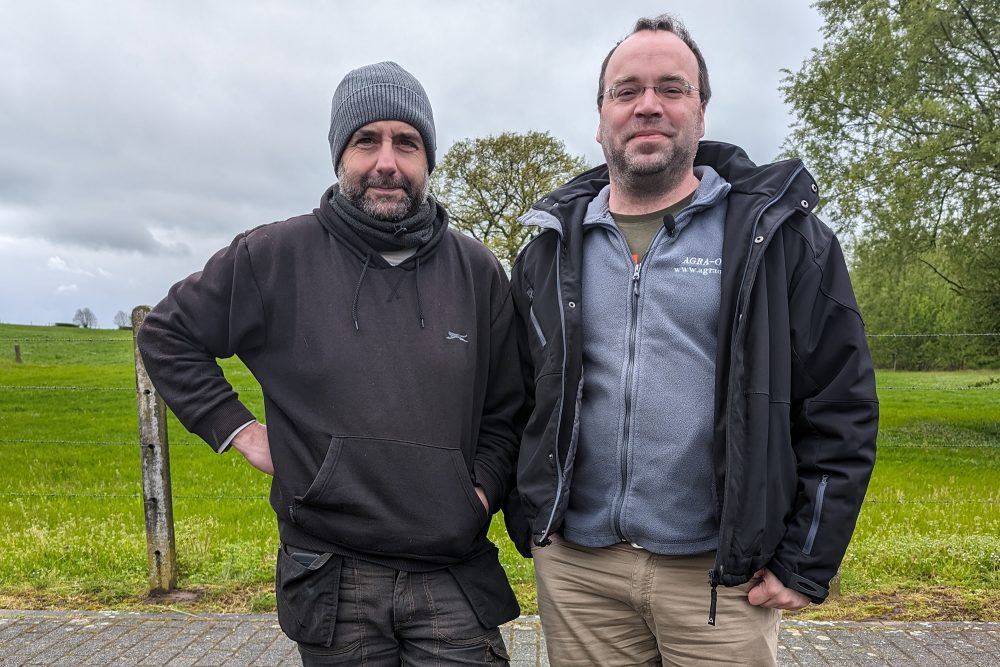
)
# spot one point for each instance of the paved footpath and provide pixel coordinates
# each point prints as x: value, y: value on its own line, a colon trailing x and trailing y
x: 120, y: 638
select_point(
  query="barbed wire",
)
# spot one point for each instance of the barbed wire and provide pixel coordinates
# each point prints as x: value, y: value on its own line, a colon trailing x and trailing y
x: 963, y: 501
x: 926, y: 335
x: 73, y: 387
x: 134, y: 496
x: 197, y: 443
x: 990, y: 386
x: 46, y: 339
x: 77, y: 387
x: 127, y: 496
x: 107, y: 443
x: 943, y: 445
x: 43, y: 340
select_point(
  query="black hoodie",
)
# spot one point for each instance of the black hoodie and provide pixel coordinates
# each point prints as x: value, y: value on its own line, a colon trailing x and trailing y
x: 389, y: 392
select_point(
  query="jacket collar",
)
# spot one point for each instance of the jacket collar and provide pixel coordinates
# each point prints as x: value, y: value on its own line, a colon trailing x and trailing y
x: 728, y: 161
x: 712, y: 189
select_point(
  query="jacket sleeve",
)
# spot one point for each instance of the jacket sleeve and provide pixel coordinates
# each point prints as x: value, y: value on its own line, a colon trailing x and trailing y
x: 499, y: 436
x: 216, y: 312
x: 834, y: 421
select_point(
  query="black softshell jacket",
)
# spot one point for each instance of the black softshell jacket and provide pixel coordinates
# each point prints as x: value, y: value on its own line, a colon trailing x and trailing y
x: 795, y: 408
x: 389, y: 392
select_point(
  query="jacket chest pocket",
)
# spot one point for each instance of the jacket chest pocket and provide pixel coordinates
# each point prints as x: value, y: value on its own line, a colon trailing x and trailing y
x: 535, y: 325
x: 541, y: 321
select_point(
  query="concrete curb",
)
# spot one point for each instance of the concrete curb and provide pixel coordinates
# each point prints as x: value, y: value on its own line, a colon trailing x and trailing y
x: 71, y: 638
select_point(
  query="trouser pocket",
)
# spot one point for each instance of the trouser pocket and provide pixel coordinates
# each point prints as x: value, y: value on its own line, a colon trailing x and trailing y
x: 307, y: 586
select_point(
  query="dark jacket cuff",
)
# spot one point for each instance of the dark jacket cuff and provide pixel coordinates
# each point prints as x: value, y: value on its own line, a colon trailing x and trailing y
x: 810, y: 589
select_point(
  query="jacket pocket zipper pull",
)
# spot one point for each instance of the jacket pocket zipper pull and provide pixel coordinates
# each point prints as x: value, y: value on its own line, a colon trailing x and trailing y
x: 715, y: 597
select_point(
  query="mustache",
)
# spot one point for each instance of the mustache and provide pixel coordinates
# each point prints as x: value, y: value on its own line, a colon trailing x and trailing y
x: 641, y: 126
x: 387, y: 182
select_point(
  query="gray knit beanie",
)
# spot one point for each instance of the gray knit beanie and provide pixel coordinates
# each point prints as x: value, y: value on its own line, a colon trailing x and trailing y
x: 383, y: 91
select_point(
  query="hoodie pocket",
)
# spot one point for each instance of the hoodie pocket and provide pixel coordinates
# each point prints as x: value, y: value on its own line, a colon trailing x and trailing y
x: 393, y: 498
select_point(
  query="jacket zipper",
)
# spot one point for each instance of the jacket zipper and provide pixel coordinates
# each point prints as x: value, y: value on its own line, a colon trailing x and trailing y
x: 562, y: 404
x: 814, y: 526
x: 715, y: 575
x: 629, y: 377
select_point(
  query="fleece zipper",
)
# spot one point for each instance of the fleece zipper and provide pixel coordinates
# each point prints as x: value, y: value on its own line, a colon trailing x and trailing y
x: 629, y: 378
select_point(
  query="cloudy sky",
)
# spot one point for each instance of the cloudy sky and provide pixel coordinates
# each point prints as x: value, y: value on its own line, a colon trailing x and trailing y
x: 136, y: 138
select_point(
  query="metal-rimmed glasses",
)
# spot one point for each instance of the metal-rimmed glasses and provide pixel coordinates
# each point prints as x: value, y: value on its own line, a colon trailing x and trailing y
x: 627, y: 92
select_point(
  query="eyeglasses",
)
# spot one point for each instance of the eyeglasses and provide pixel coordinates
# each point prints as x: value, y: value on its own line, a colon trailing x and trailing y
x: 630, y: 91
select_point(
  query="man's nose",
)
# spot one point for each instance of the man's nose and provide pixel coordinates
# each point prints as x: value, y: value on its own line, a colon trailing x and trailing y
x: 386, y: 163
x: 649, y: 103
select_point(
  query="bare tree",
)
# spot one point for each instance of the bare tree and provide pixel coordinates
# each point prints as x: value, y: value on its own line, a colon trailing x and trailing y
x: 85, y: 318
x: 122, y: 320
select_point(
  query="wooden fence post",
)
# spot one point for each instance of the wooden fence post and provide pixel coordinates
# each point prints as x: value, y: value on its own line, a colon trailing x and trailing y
x: 156, y: 497
x: 835, y: 585
x: 17, y: 354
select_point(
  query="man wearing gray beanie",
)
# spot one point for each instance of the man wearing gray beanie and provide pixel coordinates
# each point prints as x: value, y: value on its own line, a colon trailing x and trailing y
x: 383, y: 341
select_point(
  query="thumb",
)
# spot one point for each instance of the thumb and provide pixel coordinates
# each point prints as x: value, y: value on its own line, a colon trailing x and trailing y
x: 758, y: 595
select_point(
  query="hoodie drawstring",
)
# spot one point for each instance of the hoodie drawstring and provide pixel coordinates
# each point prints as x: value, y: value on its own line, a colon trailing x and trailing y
x: 420, y: 307
x: 357, y: 291
x: 361, y: 279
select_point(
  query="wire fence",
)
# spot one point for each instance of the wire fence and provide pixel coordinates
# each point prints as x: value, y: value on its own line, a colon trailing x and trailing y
x: 187, y: 440
x: 25, y: 396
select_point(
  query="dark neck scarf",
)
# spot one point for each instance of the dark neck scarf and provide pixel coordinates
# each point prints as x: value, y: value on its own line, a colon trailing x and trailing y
x: 383, y: 235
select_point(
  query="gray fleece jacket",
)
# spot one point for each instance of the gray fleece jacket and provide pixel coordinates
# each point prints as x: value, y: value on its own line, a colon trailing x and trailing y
x: 644, y: 468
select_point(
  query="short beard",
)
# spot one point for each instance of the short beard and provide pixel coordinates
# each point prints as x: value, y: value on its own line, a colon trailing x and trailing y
x: 649, y: 180
x: 355, y: 192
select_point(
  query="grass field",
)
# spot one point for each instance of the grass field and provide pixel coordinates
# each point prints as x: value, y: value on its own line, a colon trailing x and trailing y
x: 927, y: 544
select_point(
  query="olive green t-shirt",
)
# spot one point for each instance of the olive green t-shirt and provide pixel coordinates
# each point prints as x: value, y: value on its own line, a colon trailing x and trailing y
x: 639, y: 230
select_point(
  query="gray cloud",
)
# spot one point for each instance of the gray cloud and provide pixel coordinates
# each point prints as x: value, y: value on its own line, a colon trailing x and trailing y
x: 142, y: 136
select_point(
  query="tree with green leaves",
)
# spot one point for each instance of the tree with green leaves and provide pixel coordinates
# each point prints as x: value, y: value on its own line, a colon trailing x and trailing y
x: 899, y: 113
x: 487, y: 183
x: 904, y: 304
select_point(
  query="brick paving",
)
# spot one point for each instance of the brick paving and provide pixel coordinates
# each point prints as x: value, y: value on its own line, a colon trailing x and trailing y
x: 71, y: 638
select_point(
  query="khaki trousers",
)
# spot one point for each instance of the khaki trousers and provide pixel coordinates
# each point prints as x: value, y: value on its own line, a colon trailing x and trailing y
x: 620, y: 605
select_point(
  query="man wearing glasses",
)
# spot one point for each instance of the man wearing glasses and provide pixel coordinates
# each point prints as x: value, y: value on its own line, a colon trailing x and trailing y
x: 702, y: 399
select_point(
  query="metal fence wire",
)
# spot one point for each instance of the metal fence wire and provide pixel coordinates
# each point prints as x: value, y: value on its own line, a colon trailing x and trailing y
x: 187, y: 440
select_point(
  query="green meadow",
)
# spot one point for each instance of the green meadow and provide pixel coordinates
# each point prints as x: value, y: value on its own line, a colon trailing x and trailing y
x: 927, y: 544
